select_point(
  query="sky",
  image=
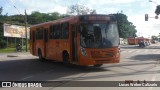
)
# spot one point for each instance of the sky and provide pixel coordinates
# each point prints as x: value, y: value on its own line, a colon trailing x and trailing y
x: 134, y: 9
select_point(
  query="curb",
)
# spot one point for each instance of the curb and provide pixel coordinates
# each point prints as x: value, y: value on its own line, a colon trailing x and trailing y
x: 12, y: 55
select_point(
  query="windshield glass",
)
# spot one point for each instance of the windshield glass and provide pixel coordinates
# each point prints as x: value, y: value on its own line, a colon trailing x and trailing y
x: 99, y: 35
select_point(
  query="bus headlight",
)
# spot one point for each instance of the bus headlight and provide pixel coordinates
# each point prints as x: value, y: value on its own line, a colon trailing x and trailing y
x: 83, y: 51
x: 119, y: 49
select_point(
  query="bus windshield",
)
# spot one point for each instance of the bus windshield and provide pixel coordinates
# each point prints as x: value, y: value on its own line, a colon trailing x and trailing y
x: 99, y: 35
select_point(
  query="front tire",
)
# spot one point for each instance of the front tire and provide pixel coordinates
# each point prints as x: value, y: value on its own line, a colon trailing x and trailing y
x: 98, y: 65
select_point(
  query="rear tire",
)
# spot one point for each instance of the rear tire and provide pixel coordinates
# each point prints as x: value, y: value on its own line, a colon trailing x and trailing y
x: 40, y: 58
x: 98, y: 65
x: 66, y: 59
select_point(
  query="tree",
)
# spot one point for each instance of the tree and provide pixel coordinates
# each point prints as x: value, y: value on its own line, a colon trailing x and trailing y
x: 80, y: 10
x: 154, y: 38
x: 157, y: 11
x: 37, y: 17
x: 1, y: 9
x: 2, y: 38
x: 126, y: 28
x: 34, y: 18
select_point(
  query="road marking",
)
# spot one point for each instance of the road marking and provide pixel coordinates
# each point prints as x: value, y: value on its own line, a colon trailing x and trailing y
x: 154, y: 74
x: 153, y: 79
x: 139, y: 51
x: 32, y: 76
x: 27, y: 77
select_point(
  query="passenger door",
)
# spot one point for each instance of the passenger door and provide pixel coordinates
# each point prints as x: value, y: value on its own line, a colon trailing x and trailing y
x: 74, y: 44
x: 45, y: 41
x: 33, y: 42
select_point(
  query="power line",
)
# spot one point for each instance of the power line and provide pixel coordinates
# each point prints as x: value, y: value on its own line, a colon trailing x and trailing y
x: 13, y: 4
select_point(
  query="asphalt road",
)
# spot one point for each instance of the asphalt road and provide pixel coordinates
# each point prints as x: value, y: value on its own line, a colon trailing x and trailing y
x: 136, y: 64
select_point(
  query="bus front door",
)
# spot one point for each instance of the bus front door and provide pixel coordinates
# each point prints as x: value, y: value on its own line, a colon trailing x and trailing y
x: 74, y: 44
x: 33, y: 42
x: 45, y: 41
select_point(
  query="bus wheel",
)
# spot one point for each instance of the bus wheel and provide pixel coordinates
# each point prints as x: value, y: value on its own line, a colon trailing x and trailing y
x: 66, y: 59
x: 98, y: 65
x: 40, y: 58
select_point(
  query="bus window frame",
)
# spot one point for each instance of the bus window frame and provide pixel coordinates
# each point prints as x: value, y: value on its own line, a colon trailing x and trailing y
x: 39, y: 30
x: 63, y: 28
x: 58, y: 28
x: 54, y: 29
x: 46, y: 35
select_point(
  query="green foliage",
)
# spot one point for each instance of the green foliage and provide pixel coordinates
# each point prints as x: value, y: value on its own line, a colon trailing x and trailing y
x: 157, y: 11
x: 7, y: 50
x: 80, y: 10
x: 37, y: 17
x: 2, y: 38
x: 126, y: 28
x: 1, y: 9
x: 34, y: 18
x: 154, y: 38
x: 3, y: 43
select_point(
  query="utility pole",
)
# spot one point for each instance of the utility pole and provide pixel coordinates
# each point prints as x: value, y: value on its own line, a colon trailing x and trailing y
x: 153, y: 2
x: 26, y: 29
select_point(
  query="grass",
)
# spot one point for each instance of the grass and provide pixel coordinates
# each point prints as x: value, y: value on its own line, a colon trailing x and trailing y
x: 11, y: 50
x: 7, y: 50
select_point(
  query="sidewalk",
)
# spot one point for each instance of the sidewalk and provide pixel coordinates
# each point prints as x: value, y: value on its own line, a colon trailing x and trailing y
x: 157, y: 45
x: 5, y: 56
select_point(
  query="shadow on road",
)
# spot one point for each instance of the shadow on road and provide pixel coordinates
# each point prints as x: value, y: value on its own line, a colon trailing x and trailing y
x: 146, y: 57
x: 48, y: 70
x: 33, y: 70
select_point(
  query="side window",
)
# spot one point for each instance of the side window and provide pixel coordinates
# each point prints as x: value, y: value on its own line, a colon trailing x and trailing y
x: 65, y: 30
x: 55, y: 32
x: 51, y: 32
x: 39, y: 34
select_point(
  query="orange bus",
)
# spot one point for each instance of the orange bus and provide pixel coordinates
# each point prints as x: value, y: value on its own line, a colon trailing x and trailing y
x: 87, y: 40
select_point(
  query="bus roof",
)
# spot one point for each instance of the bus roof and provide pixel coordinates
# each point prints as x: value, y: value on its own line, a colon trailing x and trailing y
x: 58, y: 20
x: 68, y: 18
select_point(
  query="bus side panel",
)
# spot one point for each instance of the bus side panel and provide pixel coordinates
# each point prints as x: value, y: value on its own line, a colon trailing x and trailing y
x: 34, y: 48
x: 83, y: 60
x: 51, y: 50
x: 39, y: 44
x: 45, y: 42
x: 63, y: 46
x: 32, y: 42
x: 30, y: 45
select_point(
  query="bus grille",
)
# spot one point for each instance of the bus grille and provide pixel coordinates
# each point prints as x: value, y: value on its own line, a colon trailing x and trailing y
x: 103, y: 61
x: 102, y: 54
